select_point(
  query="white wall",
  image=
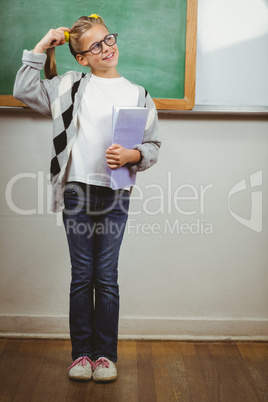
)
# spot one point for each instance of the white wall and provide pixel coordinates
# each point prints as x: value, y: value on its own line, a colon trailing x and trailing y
x: 189, y: 268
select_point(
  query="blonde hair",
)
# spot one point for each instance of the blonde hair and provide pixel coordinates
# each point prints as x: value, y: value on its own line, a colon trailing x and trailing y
x: 77, y: 31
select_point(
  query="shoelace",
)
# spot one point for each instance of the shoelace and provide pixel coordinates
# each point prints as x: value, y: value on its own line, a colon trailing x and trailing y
x: 102, y: 361
x: 82, y: 361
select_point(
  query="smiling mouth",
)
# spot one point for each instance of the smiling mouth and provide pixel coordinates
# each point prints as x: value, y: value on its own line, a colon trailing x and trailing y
x: 109, y: 57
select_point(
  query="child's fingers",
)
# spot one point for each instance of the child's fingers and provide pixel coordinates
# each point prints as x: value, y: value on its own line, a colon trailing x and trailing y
x: 57, y: 36
x: 112, y: 158
x: 114, y: 150
x: 112, y: 154
x: 114, y: 146
x: 112, y: 165
x: 64, y: 29
x: 54, y: 37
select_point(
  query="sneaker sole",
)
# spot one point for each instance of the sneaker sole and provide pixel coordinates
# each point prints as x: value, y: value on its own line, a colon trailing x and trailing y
x: 80, y: 378
x: 105, y: 379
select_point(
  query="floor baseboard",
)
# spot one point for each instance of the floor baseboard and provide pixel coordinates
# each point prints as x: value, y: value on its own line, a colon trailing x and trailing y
x: 173, y: 328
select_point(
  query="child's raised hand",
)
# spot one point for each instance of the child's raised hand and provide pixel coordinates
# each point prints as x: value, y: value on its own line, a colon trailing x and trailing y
x: 54, y: 37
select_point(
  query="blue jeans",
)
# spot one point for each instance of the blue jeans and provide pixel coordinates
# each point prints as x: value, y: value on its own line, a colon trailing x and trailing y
x: 94, y: 218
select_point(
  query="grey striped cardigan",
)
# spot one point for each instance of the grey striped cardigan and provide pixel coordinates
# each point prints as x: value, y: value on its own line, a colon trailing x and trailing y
x: 60, y: 98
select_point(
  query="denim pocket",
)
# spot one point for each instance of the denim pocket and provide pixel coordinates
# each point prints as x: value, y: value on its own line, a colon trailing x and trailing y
x: 72, y: 189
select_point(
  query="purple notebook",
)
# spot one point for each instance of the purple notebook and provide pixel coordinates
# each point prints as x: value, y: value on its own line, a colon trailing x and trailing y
x: 128, y: 129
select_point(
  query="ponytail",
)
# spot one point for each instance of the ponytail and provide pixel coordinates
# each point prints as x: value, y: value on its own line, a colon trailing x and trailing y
x: 50, y: 66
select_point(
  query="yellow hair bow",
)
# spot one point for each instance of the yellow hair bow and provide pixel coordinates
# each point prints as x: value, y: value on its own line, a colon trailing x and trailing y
x: 66, y: 36
x: 93, y: 16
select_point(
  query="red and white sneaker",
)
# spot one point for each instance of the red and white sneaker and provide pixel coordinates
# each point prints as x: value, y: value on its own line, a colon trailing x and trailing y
x: 104, y: 370
x: 81, y: 369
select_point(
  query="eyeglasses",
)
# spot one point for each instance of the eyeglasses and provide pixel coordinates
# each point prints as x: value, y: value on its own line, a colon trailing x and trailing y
x: 96, y: 47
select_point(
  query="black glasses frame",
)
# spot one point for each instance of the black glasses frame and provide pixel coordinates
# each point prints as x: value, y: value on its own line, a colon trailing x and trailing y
x: 100, y: 43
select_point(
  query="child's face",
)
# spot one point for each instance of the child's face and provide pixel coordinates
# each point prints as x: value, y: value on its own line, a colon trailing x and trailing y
x: 102, y: 64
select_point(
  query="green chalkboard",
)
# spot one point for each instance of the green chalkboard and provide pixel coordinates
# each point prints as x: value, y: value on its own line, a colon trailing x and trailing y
x: 151, y: 38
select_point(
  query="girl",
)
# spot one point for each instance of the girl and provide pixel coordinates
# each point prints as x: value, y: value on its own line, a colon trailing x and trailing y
x: 94, y: 215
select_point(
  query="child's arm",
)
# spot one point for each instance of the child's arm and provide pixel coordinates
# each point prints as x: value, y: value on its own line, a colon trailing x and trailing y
x: 28, y: 87
x: 141, y: 156
x: 149, y: 148
x: 54, y: 37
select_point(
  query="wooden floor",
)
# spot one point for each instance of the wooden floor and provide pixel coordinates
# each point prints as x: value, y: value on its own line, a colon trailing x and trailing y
x: 149, y: 371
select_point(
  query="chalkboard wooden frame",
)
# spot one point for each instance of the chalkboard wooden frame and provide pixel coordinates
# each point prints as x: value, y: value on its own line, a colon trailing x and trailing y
x: 190, y: 65
x: 187, y: 103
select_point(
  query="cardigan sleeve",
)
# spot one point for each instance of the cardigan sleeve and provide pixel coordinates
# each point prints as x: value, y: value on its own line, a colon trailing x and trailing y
x: 28, y: 87
x: 149, y: 148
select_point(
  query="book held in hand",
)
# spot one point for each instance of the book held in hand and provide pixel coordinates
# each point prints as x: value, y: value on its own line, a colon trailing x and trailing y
x: 128, y: 129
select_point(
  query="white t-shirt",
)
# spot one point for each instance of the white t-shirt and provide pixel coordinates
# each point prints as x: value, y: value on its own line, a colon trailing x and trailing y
x: 94, y: 135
